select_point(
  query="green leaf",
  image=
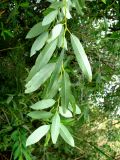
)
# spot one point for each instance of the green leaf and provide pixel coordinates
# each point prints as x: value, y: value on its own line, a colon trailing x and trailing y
x: 56, y: 71
x: 49, y: 18
x: 67, y: 113
x: 43, y: 58
x: 56, y: 5
x: 104, y: 1
x: 82, y: 3
x: 61, y: 38
x: 40, y: 115
x: 39, y: 78
x: 72, y: 103
x: 65, y: 44
x: 37, y: 134
x: 66, y: 12
x: 55, y: 128
x: 17, y: 153
x: 78, y: 7
x: 26, y: 155
x: 62, y: 42
x: 55, y: 32
x: 47, y: 139
x: 77, y: 109
x: 39, y: 43
x: 43, y: 104
x: 36, y: 30
x: 65, y: 134
x: 25, y: 4
x: 20, y: 157
x: 65, y: 91
x: 53, y: 91
x: 81, y: 57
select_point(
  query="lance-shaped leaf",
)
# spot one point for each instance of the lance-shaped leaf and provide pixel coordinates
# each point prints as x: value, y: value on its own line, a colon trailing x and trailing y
x: 39, y: 78
x: 65, y: 91
x: 78, y: 7
x: 37, y: 134
x: 43, y: 104
x: 55, y: 128
x: 36, y: 30
x: 50, y: 18
x: 43, y: 58
x: 40, y: 115
x: 65, y: 134
x: 54, y: 89
x: 56, y: 71
x: 81, y: 57
x: 55, y: 32
x: 39, y: 43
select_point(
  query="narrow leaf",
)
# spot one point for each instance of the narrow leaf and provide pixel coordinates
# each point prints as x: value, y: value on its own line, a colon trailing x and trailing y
x: 55, y: 128
x: 56, y: 71
x: 43, y: 58
x: 81, y: 57
x: 65, y: 90
x: 39, y: 43
x: 54, y: 89
x: 55, y: 32
x: 78, y: 7
x: 40, y: 115
x: 43, y: 104
x: 39, y: 78
x: 36, y: 30
x: 37, y: 134
x: 49, y: 18
x: 65, y: 134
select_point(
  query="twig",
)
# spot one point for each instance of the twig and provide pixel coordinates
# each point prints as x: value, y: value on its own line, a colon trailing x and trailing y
x: 10, y: 48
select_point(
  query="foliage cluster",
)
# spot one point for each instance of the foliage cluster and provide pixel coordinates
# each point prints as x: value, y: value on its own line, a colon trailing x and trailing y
x: 78, y: 115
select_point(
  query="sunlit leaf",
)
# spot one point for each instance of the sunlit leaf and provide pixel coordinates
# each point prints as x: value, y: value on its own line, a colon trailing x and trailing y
x: 54, y: 89
x: 43, y: 58
x: 40, y: 115
x: 43, y: 104
x: 66, y: 12
x: 36, y: 30
x: 39, y: 43
x: 81, y: 57
x: 56, y: 71
x: 37, y: 134
x: 55, y: 32
x: 55, y: 128
x: 65, y: 91
x: 39, y: 78
x: 65, y: 134
x: 49, y: 18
